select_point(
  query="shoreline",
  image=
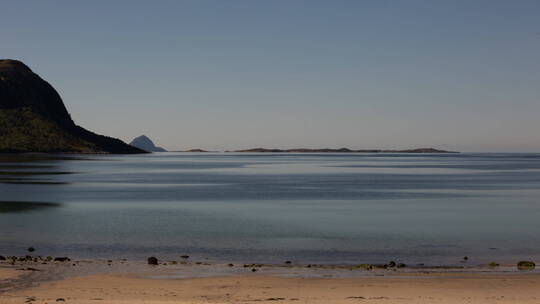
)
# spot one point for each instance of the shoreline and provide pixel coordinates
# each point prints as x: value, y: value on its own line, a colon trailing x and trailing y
x: 122, y: 281
x: 30, y: 261
x: 185, y: 261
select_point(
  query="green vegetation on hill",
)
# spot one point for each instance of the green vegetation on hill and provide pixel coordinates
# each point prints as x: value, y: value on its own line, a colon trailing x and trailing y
x: 23, y: 130
x: 33, y: 118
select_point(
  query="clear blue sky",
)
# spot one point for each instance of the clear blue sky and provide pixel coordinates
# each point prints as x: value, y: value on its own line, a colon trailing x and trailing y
x: 461, y: 75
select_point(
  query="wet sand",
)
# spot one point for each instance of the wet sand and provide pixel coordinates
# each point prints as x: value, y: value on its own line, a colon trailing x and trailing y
x: 135, y: 282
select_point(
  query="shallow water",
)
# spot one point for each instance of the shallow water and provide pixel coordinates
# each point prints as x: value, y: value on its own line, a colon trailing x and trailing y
x: 308, y: 208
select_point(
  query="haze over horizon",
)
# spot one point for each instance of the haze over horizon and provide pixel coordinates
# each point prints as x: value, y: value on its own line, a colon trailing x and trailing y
x: 226, y: 75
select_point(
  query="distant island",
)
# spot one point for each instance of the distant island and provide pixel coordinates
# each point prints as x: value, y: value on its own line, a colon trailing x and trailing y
x: 195, y: 150
x: 144, y: 143
x: 344, y: 150
x: 33, y: 118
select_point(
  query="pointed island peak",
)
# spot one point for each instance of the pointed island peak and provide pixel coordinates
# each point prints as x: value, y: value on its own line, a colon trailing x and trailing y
x: 145, y: 143
x: 143, y: 138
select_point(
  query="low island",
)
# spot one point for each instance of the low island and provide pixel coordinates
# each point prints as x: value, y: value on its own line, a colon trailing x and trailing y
x: 342, y: 150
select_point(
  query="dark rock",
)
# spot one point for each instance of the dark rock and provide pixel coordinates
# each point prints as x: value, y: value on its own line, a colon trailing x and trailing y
x: 152, y: 261
x: 2, y: 258
x: 253, y: 269
x: 364, y: 266
x: 465, y: 258
x: 355, y: 297
x: 288, y: 262
x: 526, y: 265
x: 31, y: 249
x: 184, y: 256
x: 62, y: 259
x: 231, y: 265
x: 253, y: 265
x: 493, y: 264
x: 60, y: 300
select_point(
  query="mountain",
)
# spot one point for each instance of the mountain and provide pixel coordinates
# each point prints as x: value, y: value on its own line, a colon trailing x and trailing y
x: 343, y: 150
x: 146, y: 144
x: 33, y: 118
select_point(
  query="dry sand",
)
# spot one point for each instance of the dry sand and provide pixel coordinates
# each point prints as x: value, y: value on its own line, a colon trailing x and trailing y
x: 256, y: 288
x: 9, y: 273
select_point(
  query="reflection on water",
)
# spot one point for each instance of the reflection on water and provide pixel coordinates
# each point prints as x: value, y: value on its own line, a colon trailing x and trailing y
x: 31, y: 169
x: 313, y: 208
x: 8, y: 207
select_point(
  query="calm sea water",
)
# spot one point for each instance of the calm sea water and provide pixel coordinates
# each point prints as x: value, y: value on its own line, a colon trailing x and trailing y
x: 308, y: 208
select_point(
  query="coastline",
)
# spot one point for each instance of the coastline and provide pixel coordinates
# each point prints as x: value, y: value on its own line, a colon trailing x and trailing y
x: 124, y: 281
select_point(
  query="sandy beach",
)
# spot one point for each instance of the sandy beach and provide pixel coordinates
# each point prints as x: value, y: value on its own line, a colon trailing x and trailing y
x: 84, y: 282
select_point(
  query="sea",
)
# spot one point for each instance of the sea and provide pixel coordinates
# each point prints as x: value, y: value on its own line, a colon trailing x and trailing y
x: 327, y: 208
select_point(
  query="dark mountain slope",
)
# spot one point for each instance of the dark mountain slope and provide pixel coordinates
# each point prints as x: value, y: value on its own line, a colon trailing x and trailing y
x: 33, y: 118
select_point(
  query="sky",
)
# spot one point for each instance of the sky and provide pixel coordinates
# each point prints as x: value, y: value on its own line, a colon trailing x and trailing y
x: 221, y: 75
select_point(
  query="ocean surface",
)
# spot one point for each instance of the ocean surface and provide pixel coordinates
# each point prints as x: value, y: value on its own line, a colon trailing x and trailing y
x: 307, y: 208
